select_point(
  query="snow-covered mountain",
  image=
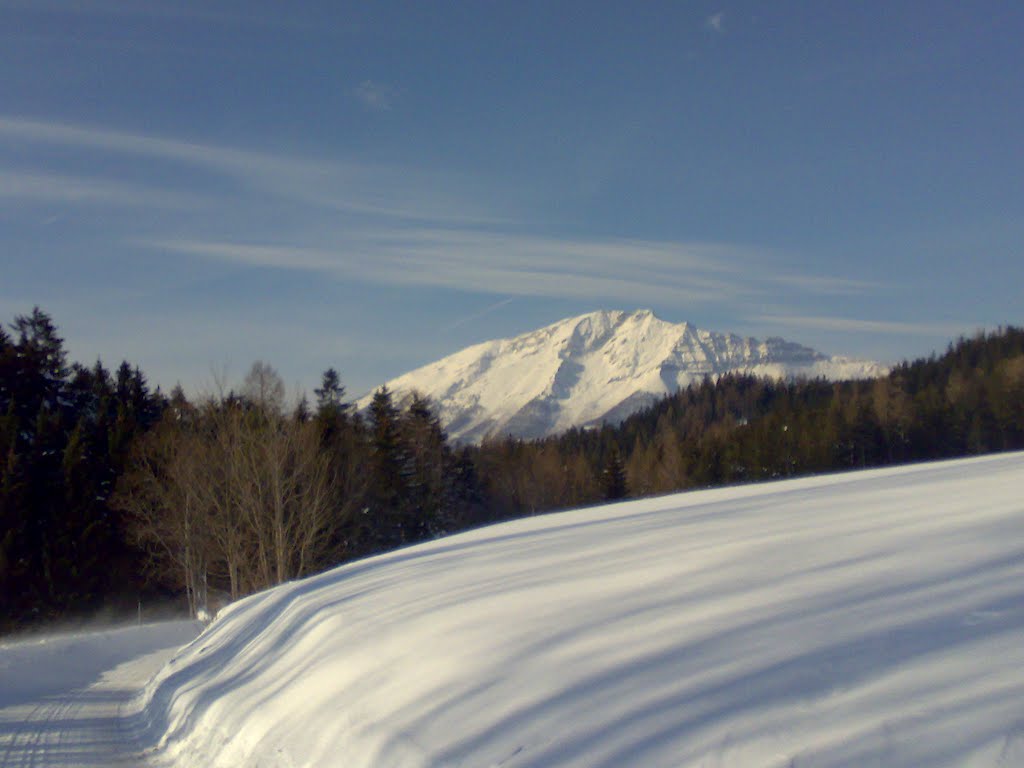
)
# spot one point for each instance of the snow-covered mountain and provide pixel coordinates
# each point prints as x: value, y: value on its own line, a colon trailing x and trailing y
x: 599, y: 367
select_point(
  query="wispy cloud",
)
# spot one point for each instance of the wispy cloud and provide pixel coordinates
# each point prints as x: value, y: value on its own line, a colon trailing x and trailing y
x: 477, y: 315
x: 641, y: 272
x: 397, y: 226
x: 855, y: 325
x: 483, y: 263
x: 58, y: 188
x: 271, y: 256
x: 825, y: 286
x: 350, y: 187
x: 716, y: 21
x: 375, y: 96
x: 387, y: 198
x: 224, y: 159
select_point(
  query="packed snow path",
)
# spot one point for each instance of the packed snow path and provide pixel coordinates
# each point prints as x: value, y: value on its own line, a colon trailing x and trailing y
x: 69, y: 700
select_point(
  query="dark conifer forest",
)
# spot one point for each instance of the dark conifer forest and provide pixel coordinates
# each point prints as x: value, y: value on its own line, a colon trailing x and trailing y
x: 65, y: 438
x: 112, y: 493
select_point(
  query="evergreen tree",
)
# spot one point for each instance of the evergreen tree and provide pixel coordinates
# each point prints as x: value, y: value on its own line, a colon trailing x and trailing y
x: 39, y: 347
x: 469, y: 502
x: 330, y: 396
x: 180, y: 409
x: 388, y: 485
x: 428, y: 473
x: 16, y: 574
x: 613, y: 477
x: 302, y: 413
x: 8, y: 369
x: 332, y: 412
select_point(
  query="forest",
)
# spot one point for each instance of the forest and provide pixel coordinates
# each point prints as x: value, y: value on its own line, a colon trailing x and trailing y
x: 115, y: 495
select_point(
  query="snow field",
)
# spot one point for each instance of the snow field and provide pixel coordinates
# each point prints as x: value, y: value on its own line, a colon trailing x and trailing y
x: 871, y: 618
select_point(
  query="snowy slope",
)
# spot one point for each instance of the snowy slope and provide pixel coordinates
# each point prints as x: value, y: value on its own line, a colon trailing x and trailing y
x: 598, y: 367
x: 872, y: 618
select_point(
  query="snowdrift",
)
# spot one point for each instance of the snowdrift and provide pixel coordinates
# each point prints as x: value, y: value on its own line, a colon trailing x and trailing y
x: 873, y: 618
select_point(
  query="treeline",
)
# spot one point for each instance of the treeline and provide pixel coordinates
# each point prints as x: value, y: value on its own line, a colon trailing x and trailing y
x: 741, y: 428
x: 110, y: 491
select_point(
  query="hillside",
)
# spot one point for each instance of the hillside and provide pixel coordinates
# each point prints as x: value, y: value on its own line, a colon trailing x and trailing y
x: 871, y: 618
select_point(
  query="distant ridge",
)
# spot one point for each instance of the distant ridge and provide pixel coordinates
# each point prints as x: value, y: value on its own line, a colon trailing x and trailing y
x: 595, y: 368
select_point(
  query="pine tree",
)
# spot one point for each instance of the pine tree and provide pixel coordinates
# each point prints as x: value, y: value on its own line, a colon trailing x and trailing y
x: 8, y: 369
x: 332, y: 412
x: 469, y: 504
x: 15, y: 549
x: 39, y: 347
x: 428, y: 472
x: 388, y: 485
x: 302, y: 414
x: 330, y: 396
x: 613, y: 477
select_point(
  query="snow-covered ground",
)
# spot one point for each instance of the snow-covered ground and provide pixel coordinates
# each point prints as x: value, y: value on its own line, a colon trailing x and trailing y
x: 69, y: 700
x: 866, y: 619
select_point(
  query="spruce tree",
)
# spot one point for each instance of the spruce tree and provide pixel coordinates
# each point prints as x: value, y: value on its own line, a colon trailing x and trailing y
x: 388, y: 487
x: 428, y: 472
x: 8, y: 369
x: 330, y: 396
x: 613, y: 477
x: 332, y: 412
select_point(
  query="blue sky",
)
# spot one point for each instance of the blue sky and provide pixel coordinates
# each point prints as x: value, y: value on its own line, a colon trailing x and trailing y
x: 372, y: 186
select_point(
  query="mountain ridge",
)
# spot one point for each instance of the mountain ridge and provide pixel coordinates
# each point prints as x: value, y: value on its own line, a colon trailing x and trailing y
x: 597, y: 367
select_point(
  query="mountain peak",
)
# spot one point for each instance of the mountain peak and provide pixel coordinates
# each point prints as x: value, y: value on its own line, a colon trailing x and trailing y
x: 594, y: 368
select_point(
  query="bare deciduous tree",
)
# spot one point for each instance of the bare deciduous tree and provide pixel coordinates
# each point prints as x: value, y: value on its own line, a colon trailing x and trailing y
x: 165, y: 510
x: 240, y: 490
x: 264, y: 387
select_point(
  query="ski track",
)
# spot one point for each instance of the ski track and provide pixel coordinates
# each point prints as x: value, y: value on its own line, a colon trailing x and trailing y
x: 82, y: 728
x: 96, y: 724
